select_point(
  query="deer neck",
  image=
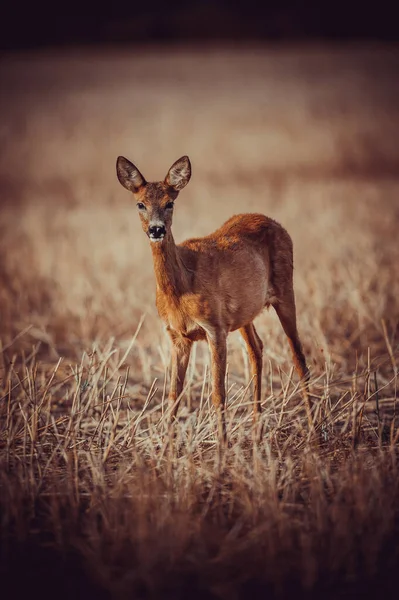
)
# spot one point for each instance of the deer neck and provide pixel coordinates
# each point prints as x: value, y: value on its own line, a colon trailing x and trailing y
x: 170, y: 273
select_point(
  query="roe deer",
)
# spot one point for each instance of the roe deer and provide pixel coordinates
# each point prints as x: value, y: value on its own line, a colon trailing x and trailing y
x: 209, y: 286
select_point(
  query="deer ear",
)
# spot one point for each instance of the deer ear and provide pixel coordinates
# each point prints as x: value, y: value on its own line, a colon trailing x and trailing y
x: 129, y: 175
x: 179, y: 174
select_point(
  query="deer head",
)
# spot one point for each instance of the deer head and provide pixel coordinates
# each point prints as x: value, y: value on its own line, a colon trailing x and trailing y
x: 155, y: 201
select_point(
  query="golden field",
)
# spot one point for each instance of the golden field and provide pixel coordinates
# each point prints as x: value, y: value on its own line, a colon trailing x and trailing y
x: 95, y: 498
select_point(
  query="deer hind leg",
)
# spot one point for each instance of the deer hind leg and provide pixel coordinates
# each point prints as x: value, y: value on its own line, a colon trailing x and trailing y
x: 286, y: 312
x: 255, y: 349
x: 218, y: 348
x: 181, y: 348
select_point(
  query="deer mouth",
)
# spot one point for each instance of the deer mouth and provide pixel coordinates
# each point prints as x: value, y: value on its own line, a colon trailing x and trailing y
x: 156, y: 233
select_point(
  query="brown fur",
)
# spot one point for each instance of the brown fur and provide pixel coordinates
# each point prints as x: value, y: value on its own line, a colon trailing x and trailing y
x: 210, y: 286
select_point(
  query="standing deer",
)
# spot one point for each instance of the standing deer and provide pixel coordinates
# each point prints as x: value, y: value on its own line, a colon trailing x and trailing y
x: 210, y: 286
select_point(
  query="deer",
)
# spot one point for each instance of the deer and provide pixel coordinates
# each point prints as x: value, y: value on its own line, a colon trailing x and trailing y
x: 209, y: 286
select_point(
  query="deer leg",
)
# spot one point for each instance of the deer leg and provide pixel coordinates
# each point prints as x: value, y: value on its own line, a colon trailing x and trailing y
x: 181, y: 348
x: 254, y: 348
x: 218, y: 347
x: 287, y: 314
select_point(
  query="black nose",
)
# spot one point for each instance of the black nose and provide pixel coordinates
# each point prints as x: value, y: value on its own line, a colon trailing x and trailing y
x: 156, y: 231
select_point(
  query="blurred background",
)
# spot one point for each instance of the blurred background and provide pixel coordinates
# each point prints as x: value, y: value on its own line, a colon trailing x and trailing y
x: 289, y: 109
x: 27, y: 25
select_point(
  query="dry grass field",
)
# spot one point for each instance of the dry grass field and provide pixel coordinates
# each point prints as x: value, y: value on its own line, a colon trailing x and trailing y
x: 95, y: 499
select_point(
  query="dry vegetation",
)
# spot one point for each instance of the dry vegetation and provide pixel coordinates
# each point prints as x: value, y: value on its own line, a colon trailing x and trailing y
x: 93, y: 498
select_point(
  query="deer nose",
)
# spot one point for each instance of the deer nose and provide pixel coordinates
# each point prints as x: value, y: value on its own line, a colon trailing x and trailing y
x: 156, y: 232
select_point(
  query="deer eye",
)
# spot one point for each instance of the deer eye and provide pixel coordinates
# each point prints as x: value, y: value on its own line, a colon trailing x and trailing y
x: 169, y: 205
x: 141, y: 206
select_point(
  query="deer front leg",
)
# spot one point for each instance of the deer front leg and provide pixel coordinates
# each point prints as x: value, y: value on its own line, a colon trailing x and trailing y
x: 181, y: 348
x: 218, y: 347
